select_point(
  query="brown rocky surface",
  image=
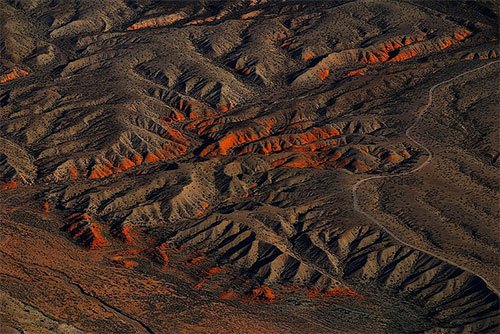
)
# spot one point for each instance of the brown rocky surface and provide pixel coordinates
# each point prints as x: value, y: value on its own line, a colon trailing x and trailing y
x: 193, y: 166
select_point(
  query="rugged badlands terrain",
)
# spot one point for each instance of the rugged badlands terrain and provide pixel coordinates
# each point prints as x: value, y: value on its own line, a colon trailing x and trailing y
x: 200, y: 166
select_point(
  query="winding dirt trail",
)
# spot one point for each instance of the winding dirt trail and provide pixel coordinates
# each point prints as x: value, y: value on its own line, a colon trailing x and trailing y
x: 427, y: 161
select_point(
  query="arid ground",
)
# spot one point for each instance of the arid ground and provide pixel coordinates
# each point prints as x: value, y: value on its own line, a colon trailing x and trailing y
x: 253, y: 166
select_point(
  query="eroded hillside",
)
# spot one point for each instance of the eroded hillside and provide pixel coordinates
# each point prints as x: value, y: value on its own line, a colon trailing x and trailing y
x: 163, y: 163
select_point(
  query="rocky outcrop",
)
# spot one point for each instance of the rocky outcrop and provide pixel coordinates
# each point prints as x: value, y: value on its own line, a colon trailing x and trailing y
x: 397, y: 49
x: 156, y: 22
x: 14, y: 73
x: 85, y: 230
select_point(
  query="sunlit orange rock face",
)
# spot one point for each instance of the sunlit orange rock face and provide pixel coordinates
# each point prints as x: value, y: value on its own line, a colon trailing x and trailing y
x: 9, y: 185
x: 209, y: 19
x: 45, y: 207
x: 263, y: 293
x: 252, y: 141
x: 129, y: 263
x: 177, y: 146
x: 125, y: 262
x: 157, y: 21
x: 232, y: 140
x: 404, y: 55
x: 323, y: 74
x: 251, y: 15
x: 197, y: 259
x: 203, y: 207
x: 381, y: 52
x: 15, y: 73
x: 223, y: 108
x: 228, y: 295
x: 462, y: 34
x: 73, y: 172
x: 359, y: 71
x: 445, y: 43
x: 300, y: 161
x: 193, y: 110
x: 100, y: 172
x: 125, y: 233
x: 125, y: 163
x: 151, y: 158
x: 308, y: 56
x: 85, y: 230
x: 314, y: 147
x: 398, y: 50
x: 394, y: 157
x: 214, y: 270
x: 360, y: 166
x: 308, y: 141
